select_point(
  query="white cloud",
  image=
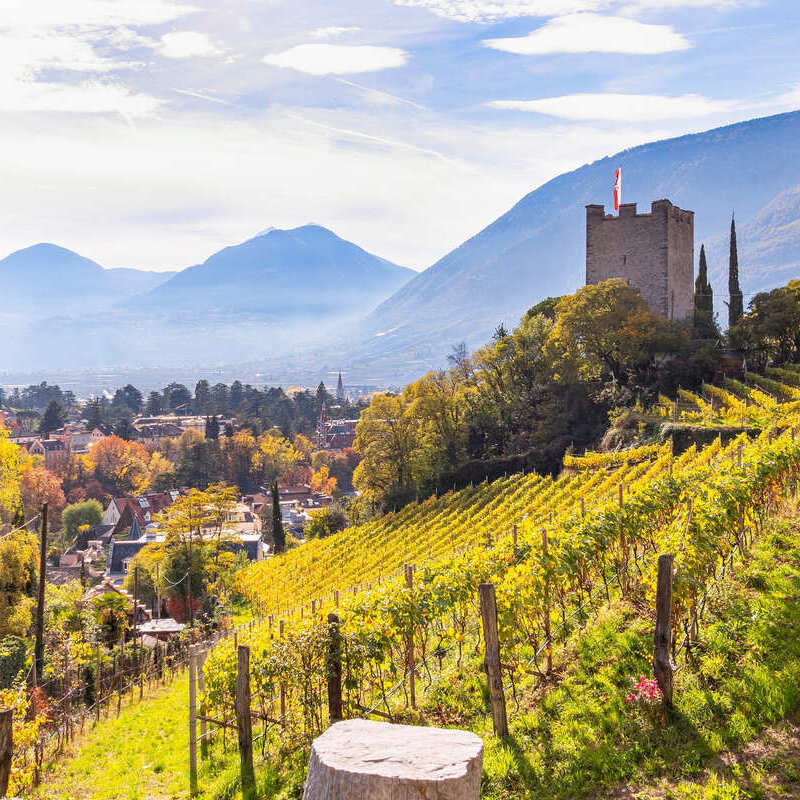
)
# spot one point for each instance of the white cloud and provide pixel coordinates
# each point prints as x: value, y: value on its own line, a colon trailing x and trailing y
x: 621, y: 107
x: 494, y: 10
x: 26, y: 57
x: 593, y: 33
x: 491, y: 10
x: 88, y: 97
x: 187, y: 44
x: 333, y: 31
x: 96, y: 13
x: 335, y: 59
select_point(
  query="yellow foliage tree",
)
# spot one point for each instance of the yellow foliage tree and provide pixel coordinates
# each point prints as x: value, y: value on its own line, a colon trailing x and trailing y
x: 18, y: 568
x: 322, y: 481
x: 10, y: 465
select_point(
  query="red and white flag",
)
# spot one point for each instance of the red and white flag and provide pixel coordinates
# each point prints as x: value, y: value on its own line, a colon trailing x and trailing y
x: 617, y: 189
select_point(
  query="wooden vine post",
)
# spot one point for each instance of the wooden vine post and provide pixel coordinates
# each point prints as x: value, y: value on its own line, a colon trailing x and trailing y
x: 244, y: 723
x: 97, y: 685
x: 201, y: 685
x: 662, y: 668
x: 492, y: 658
x: 192, y: 724
x: 410, y: 665
x: 6, y: 748
x: 334, y: 669
x: 38, y: 648
x: 548, y: 644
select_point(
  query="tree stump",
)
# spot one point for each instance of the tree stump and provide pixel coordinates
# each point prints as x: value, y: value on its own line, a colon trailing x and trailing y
x: 362, y: 760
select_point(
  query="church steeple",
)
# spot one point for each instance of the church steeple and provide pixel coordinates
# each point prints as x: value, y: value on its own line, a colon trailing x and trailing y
x: 340, y: 389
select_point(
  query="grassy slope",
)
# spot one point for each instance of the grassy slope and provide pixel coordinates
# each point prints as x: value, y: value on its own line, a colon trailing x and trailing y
x: 574, y: 737
x: 142, y: 755
x: 581, y: 738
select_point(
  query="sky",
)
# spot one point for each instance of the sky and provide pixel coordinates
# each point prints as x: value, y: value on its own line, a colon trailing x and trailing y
x: 152, y: 133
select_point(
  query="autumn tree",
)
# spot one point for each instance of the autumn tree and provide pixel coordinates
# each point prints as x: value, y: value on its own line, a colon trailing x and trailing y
x: 18, y: 569
x: 303, y: 445
x: 386, y: 438
x: 195, y: 546
x: 325, y: 521
x: 276, y: 458
x: 119, y: 465
x: 38, y: 485
x: 323, y: 482
x: 10, y: 468
x: 771, y: 328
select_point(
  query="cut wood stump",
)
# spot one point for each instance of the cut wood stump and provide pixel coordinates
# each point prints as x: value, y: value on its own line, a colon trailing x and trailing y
x: 363, y: 760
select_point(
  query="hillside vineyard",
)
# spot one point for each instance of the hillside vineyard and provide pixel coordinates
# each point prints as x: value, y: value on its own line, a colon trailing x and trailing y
x: 552, y: 548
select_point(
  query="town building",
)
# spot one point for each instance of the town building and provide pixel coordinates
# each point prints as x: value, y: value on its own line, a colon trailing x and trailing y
x: 653, y: 252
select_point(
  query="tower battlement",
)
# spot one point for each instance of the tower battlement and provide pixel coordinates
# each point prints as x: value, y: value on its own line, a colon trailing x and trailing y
x: 653, y: 251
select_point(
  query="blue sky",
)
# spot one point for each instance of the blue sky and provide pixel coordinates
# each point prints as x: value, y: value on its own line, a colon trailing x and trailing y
x: 150, y: 133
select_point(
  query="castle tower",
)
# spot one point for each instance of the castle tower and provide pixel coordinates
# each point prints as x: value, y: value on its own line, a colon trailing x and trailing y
x: 653, y: 252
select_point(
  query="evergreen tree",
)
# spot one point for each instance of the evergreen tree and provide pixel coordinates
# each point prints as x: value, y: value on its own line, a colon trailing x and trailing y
x: 132, y: 398
x: 95, y: 417
x: 124, y: 429
x: 704, y: 325
x: 278, y: 533
x: 237, y: 395
x: 212, y: 427
x: 202, y: 397
x: 155, y: 404
x: 735, y: 297
x: 53, y: 418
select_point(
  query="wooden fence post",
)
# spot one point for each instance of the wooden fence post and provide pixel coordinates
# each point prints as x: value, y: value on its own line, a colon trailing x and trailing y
x: 97, y: 686
x: 201, y: 685
x: 38, y: 648
x: 514, y: 536
x: 244, y: 723
x: 410, y: 665
x: 492, y: 658
x: 334, y: 669
x: 662, y: 668
x: 548, y: 643
x: 283, y: 687
x: 6, y: 748
x: 192, y: 725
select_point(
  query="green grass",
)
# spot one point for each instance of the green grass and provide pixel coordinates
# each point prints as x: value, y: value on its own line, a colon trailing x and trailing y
x: 576, y: 737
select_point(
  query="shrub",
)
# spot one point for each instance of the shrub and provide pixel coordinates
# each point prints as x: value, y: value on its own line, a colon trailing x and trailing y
x: 12, y: 659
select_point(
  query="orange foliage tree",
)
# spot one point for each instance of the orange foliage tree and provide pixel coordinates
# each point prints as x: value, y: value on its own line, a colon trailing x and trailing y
x: 121, y: 466
x: 38, y: 485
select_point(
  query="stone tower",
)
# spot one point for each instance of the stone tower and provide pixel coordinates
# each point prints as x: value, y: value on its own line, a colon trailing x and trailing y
x: 653, y: 252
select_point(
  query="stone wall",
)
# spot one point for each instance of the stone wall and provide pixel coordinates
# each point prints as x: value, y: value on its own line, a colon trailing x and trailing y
x: 654, y: 252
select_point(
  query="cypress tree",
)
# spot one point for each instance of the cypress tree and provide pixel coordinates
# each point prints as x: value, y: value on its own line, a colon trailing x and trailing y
x: 704, y: 327
x: 735, y: 299
x: 278, y: 533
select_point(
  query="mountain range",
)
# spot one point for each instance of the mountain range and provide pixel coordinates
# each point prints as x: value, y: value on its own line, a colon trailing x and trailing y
x: 294, y: 303
x: 287, y: 273
x: 47, y: 278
